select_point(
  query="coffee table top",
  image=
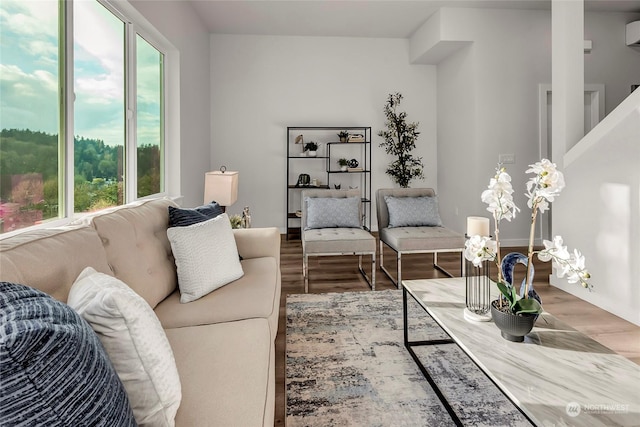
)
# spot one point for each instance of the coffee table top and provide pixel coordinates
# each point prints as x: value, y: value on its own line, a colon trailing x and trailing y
x: 557, y: 376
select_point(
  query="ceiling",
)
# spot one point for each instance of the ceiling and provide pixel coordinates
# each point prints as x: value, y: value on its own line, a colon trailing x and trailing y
x: 352, y: 18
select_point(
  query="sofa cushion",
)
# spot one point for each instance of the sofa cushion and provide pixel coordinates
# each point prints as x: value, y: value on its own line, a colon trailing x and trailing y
x: 332, y: 212
x: 51, y: 259
x: 135, y: 240
x: 54, y: 370
x: 136, y: 343
x: 413, y: 211
x: 180, y: 217
x: 255, y: 295
x: 227, y: 374
x: 206, y: 257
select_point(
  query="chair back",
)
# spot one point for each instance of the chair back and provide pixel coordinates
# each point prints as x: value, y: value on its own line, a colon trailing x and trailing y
x: 327, y: 193
x: 381, y: 206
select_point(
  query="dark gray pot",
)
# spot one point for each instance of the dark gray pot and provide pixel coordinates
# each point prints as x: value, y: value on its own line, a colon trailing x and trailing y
x: 512, y: 327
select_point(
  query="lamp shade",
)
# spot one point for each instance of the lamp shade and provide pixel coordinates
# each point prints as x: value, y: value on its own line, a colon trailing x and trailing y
x: 221, y: 187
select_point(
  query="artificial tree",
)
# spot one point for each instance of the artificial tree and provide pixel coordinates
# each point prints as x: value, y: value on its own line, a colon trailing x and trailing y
x: 399, y: 140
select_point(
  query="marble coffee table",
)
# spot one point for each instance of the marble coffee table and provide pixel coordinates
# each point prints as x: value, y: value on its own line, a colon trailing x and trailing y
x: 556, y: 377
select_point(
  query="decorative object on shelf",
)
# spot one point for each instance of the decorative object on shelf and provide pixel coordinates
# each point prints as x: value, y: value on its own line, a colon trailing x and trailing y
x: 314, y: 182
x: 236, y: 221
x: 344, y: 163
x: 477, y: 280
x: 311, y: 148
x: 545, y: 185
x: 353, y: 163
x: 343, y: 135
x: 246, y: 218
x: 221, y: 186
x: 300, y: 140
x: 399, y: 140
x: 299, y: 213
x: 355, y: 137
x: 303, y: 180
x: 337, y: 186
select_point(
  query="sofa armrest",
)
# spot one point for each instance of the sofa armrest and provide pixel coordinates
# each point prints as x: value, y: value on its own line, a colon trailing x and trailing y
x: 258, y: 242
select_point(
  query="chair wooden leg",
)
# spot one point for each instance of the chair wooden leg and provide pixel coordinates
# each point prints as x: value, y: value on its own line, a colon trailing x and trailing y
x: 305, y: 272
x: 399, y: 274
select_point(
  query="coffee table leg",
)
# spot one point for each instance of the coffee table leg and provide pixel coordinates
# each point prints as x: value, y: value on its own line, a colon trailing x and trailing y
x: 409, y: 344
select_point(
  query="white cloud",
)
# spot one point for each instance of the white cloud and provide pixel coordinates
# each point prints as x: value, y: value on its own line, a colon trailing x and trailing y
x: 30, y: 17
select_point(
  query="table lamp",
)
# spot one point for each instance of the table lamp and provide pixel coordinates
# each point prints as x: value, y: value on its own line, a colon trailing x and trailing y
x: 221, y: 186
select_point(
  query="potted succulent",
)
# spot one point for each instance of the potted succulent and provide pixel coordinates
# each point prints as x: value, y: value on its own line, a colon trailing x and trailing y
x: 311, y: 148
x: 344, y: 163
x: 515, y: 312
x: 343, y: 135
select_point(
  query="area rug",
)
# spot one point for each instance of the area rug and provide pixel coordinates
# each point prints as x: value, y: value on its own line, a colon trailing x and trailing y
x: 346, y: 365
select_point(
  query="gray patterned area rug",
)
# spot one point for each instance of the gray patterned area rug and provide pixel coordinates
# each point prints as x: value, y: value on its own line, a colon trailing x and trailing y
x: 346, y: 365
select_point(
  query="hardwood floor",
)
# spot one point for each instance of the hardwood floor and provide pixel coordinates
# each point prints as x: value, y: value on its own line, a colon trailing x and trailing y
x: 340, y: 274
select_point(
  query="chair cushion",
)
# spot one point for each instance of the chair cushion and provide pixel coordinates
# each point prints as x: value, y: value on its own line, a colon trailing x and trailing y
x: 421, y: 238
x: 413, y: 211
x: 331, y: 212
x: 338, y: 240
x: 53, y: 370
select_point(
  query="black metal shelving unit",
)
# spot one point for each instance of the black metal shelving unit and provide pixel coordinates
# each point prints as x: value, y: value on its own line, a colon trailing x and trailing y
x: 327, y: 172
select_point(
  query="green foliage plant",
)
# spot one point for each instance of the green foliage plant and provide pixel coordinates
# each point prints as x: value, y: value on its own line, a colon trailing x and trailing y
x: 310, y: 146
x: 343, y: 162
x: 399, y: 140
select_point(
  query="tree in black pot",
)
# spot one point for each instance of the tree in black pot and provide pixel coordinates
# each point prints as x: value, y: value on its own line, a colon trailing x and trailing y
x: 399, y: 140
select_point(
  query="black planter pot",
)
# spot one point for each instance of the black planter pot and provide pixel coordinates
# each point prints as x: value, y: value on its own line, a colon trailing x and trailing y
x: 513, y: 327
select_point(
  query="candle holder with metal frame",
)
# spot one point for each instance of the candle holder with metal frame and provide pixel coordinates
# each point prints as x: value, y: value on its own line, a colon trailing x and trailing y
x: 477, y: 292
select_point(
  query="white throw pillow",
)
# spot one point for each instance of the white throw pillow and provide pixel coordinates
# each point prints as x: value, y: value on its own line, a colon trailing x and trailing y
x: 136, y: 344
x: 206, y: 257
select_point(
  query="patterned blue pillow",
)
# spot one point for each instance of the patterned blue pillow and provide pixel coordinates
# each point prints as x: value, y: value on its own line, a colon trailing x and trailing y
x: 413, y: 211
x: 179, y: 217
x: 329, y: 212
x: 53, y: 368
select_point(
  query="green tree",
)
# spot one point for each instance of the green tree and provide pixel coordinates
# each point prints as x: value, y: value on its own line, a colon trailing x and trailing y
x: 399, y: 140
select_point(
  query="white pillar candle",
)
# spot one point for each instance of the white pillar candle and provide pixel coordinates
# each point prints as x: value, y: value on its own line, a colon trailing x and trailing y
x: 477, y: 225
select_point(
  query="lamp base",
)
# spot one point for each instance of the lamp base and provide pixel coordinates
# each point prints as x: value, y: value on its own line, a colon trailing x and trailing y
x: 470, y: 316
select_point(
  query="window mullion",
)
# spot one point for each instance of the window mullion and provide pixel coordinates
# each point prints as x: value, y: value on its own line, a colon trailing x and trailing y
x: 131, y: 158
x: 67, y: 99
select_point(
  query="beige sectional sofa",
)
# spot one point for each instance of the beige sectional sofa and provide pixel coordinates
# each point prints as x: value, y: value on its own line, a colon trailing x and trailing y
x: 223, y: 343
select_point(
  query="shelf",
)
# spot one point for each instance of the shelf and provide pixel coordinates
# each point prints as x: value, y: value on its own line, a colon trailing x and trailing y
x: 332, y: 150
x: 307, y: 157
x: 308, y: 187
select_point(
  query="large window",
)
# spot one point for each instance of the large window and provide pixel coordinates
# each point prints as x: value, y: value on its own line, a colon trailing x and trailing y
x: 112, y: 121
x: 30, y: 165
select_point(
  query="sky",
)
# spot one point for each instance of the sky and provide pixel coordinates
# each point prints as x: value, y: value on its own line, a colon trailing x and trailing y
x: 29, y: 72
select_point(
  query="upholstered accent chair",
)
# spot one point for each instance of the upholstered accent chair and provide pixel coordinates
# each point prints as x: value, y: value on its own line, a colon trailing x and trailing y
x: 409, y: 223
x: 332, y: 226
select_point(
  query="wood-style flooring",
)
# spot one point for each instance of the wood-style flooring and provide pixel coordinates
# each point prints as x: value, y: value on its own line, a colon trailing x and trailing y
x: 340, y: 274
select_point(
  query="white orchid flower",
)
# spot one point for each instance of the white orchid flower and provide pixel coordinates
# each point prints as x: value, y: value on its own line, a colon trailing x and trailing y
x: 545, y: 186
x: 480, y: 248
x: 499, y: 196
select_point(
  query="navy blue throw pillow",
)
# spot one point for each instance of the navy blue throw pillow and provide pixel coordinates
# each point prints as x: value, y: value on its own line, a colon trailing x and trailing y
x: 179, y: 217
x: 53, y: 367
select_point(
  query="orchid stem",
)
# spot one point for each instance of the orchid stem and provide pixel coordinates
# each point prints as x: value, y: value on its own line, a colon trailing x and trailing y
x: 530, y: 251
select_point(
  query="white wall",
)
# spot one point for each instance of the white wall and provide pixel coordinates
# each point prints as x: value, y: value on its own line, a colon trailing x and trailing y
x: 611, y: 62
x: 600, y: 215
x: 488, y: 102
x: 488, y: 105
x: 179, y: 23
x: 262, y: 84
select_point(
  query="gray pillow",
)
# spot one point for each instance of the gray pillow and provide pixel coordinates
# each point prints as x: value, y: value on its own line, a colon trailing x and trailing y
x: 330, y: 212
x: 413, y: 211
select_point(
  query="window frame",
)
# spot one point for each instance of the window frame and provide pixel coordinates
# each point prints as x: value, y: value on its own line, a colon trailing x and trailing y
x: 135, y: 24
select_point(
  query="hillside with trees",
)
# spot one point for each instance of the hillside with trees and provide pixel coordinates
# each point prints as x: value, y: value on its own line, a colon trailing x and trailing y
x: 29, y: 175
